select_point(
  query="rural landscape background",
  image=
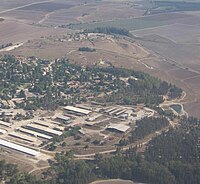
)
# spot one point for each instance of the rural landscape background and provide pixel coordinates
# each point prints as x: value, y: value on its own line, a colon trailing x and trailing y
x: 169, y: 42
x: 100, y: 89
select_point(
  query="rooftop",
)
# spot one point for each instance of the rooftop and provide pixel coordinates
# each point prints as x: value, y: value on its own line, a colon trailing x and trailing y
x: 119, y: 127
x: 45, y: 129
x: 36, y: 134
x: 18, y: 148
x: 66, y: 118
x: 78, y: 110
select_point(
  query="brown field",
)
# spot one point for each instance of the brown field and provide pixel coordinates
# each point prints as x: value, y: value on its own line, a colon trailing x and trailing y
x: 182, y: 75
x: 11, y: 31
x: 180, y: 53
x: 90, y: 13
x: 177, y: 33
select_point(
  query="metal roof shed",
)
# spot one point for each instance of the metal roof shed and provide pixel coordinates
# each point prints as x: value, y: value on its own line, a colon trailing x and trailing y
x: 18, y: 148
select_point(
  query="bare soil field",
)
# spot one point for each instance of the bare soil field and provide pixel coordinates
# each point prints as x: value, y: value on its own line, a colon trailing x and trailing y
x: 194, y: 83
x: 177, y: 33
x: 33, y: 11
x: 24, y: 16
x: 47, y: 6
x: 95, y: 12
x: 182, y: 75
x: 11, y: 31
x: 24, y: 165
x: 180, y: 53
x: 8, y: 4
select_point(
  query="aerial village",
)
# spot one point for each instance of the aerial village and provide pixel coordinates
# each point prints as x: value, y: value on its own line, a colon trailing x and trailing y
x: 82, y: 120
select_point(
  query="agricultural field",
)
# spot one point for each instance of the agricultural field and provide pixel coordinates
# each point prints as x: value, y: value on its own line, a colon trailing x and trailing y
x: 177, y: 44
x: 12, y: 32
x: 93, y: 13
x: 128, y: 23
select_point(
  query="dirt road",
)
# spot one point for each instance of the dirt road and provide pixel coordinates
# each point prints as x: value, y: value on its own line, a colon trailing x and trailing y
x: 23, y: 6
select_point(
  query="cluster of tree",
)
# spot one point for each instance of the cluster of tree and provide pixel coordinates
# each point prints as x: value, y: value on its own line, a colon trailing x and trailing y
x: 130, y: 166
x: 181, y: 144
x: 144, y: 89
x: 25, y: 178
x: 71, y: 131
x: 86, y: 49
x: 162, y: 112
x: 7, y: 170
x: 52, y: 85
x: 6, y: 45
x: 171, y: 158
x: 109, y: 30
x: 20, y: 117
x: 147, y: 126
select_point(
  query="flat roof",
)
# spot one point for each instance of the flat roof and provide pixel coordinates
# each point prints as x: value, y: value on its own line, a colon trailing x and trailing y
x: 119, y: 127
x: 66, y: 118
x: 3, y: 131
x: 5, y: 124
x: 82, y: 131
x: 45, y: 129
x: 78, y: 110
x: 92, y: 118
x: 42, y: 123
x: 91, y: 123
x: 18, y: 148
x: 84, y: 107
x: 23, y: 136
x: 120, y: 112
x: 115, y: 111
x: 35, y: 133
x: 49, y: 125
x: 110, y: 109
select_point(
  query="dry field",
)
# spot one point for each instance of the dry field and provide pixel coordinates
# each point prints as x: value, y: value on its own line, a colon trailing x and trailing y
x: 177, y: 33
x: 181, y: 51
x: 93, y: 13
x: 12, y: 31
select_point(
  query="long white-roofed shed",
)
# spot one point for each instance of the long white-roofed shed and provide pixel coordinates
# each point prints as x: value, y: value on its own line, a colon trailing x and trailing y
x: 18, y: 148
x: 77, y: 110
x: 118, y: 127
x: 45, y: 130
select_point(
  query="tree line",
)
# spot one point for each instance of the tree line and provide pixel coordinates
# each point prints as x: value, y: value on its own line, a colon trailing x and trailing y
x: 109, y: 30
